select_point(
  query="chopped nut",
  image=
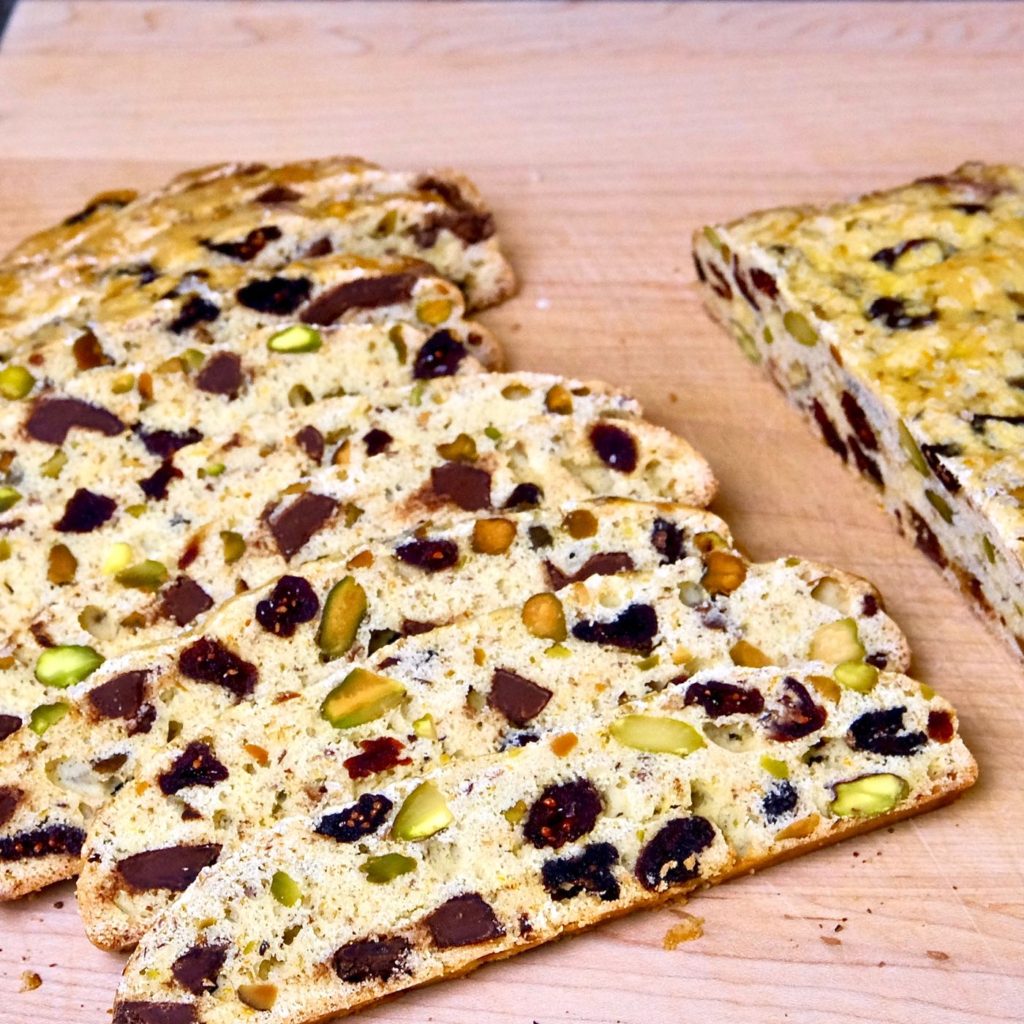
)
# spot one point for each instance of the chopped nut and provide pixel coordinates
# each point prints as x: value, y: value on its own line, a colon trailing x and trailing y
x: 855, y: 675
x: 64, y: 666
x: 361, y: 697
x: 836, y: 642
x: 580, y: 524
x: 9, y: 497
x: 493, y: 536
x: 775, y: 768
x: 800, y: 328
x: 387, y: 867
x: 544, y: 617
x: 260, y: 996
x: 462, y: 449
x: 285, y: 889
x: 869, y: 795
x: 831, y: 592
x: 826, y: 687
x: 423, y: 813
x: 434, y: 311
x: 723, y: 573
x: 344, y: 610
x: 800, y: 829
x: 297, y: 338
x: 657, y: 735
x: 147, y: 575
x: 234, y: 546
x: 748, y: 656
x: 15, y: 382
x: 62, y: 565
x: 558, y: 400
x: 562, y: 746
x: 45, y: 716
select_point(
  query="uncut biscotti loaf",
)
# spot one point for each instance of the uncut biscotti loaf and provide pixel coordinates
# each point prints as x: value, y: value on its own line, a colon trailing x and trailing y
x: 276, y: 639
x: 506, y: 679
x: 427, y: 876
x: 895, y: 323
x: 259, y: 215
x: 137, y: 534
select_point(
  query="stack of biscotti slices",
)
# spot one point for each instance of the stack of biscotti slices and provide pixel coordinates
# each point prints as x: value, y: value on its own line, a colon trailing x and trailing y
x: 895, y: 323
x: 289, y: 570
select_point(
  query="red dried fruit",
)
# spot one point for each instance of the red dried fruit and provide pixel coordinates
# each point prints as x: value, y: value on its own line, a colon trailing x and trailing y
x: 589, y: 871
x: 164, y: 443
x: 699, y: 269
x: 120, y: 697
x: 249, y: 247
x: 291, y: 602
x: 280, y: 296
x: 377, y: 959
x: 9, y: 725
x: 940, y: 726
x: 865, y: 464
x: 53, y: 418
x: 933, y: 454
x: 614, y: 446
x: 563, y: 813
x: 379, y: 755
x: 439, y: 356
x: 429, y: 555
x: 85, y: 512
x: 363, y: 818
x: 671, y: 857
x: 519, y: 699
x: 311, y: 441
x: 633, y: 630
x: 869, y: 606
x: 222, y: 375
x: 764, y: 282
x: 718, y: 699
x: 858, y: 420
x: 376, y: 441
x: 602, y: 564
x: 155, y: 486
x: 42, y: 842
x: 197, y: 968
x: 294, y: 525
x: 925, y: 539
x: 194, y: 311
x: 667, y: 539
x: 362, y: 293
x: 879, y: 732
x: 795, y: 714
x: 173, y: 868
x: 184, y: 601
x: 719, y: 285
x: 209, y: 661
x: 466, y: 486
x: 828, y: 430
x: 745, y: 289
x: 196, y: 765
x: 524, y: 496
x: 463, y: 921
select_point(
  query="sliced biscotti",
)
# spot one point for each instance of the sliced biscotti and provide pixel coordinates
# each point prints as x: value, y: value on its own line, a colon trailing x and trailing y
x: 278, y: 638
x: 113, y: 537
x: 427, y: 876
x: 508, y: 679
x: 895, y: 322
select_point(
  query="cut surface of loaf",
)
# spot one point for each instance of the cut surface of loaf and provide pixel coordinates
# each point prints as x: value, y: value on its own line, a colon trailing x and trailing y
x: 895, y: 323
x: 139, y: 534
x: 275, y: 640
x: 427, y: 876
x: 523, y: 675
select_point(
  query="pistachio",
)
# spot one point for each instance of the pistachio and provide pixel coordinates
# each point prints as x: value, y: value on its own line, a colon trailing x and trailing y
x: 462, y: 449
x: 62, y: 565
x: 836, y: 642
x: 148, y: 575
x: 544, y: 617
x: 344, y: 610
x: 723, y: 572
x: 46, y: 715
x: 424, y: 728
x: 775, y: 768
x: 692, y: 594
x: 285, y: 889
x: 868, y: 795
x: 211, y: 469
x: 831, y: 592
x: 15, y: 382
x: 709, y: 540
x: 9, y: 497
x: 909, y: 445
x: 259, y: 996
x: 361, y: 697
x: 297, y: 338
x: 53, y: 465
x: 64, y: 666
x: 989, y: 548
x: 855, y: 675
x: 557, y: 651
x: 493, y: 536
x: 299, y: 395
x: 514, y: 392
x: 234, y: 546
x: 826, y: 687
x: 387, y: 867
x: 748, y: 656
x: 746, y: 343
x: 799, y: 829
x: 434, y: 311
x: 800, y: 328
x: 940, y: 505
x: 657, y: 735
x: 493, y: 433
x: 580, y: 524
x: 117, y: 558
x: 558, y: 400
x: 515, y: 814
x: 123, y: 383
x: 423, y: 813
x: 5, y: 549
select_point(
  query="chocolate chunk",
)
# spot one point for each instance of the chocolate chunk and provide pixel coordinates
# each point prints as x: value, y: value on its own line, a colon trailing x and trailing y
x: 53, y: 418
x: 197, y: 968
x: 379, y: 959
x: 138, y: 1012
x: 88, y: 352
x: 448, y: 191
x: 376, y: 441
x: 278, y: 194
x: 155, y: 486
x: 589, y: 871
x: 164, y: 443
x: 519, y: 699
x: 194, y: 311
x: 85, y: 511
x: 699, y: 269
x: 524, y: 496
x: 362, y: 293
x: 933, y: 454
x: 143, y: 721
x: 606, y: 563
x: 363, y: 818
x: 980, y: 419
x: 633, y: 629
x: 540, y: 537
x: 173, y: 868
x: 719, y: 285
x: 470, y: 226
x: 293, y: 526
x: 671, y: 857
x: 9, y: 725
x: 858, y: 419
x: 828, y: 430
x: 280, y: 296
x: 795, y: 714
x: 209, y: 661
x: 463, y: 921
x: 312, y: 443
x: 379, y: 755
x: 718, y: 699
x: 614, y: 446
x: 292, y: 602
x: 869, y: 606
x: 429, y: 555
x: 764, y: 282
x: 42, y: 842
x: 779, y: 800
x: 880, y: 732
x: 321, y: 247
x: 10, y: 797
x: 667, y: 540
x: 563, y: 813
x: 413, y: 627
x: 120, y: 697
x: 249, y: 247
x: 865, y: 464
x: 439, y: 356
x: 184, y: 600
x: 196, y: 765
x: 466, y: 486
x: 925, y: 539
x: 888, y: 257
x: 222, y: 375
x: 893, y: 313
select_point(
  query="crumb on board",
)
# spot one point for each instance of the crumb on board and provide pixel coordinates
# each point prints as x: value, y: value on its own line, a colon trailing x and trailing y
x: 689, y: 928
x: 830, y: 940
x: 937, y: 954
x: 30, y: 981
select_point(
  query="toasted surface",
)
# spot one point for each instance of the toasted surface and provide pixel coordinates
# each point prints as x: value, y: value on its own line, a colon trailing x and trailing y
x: 520, y: 847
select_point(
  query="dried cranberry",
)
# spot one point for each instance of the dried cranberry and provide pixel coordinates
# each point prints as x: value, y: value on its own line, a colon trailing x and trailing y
x: 524, y: 496
x: 88, y: 352
x: 362, y: 819
x: 779, y: 800
x: 52, y: 419
x: 828, y: 431
x: 671, y: 857
x: 858, y: 419
x: 164, y: 443
x: 376, y: 959
x: 291, y: 602
x: 439, y: 356
x: 925, y: 539
x: 362, y: 293
x: 466, y: 486
x: 795, y: 715
x: 209, y: 661
x: 197, y: 968
x: 413, y: 627
x: 590, y: 871
x: 155, y: 486
x: 933, y: 454
x: 42, y: 842
x: 614, y: 446
x: 603, y: 564
x: 376, y: 441
x: 249, y: 247
x: 893, y: 313
x: 379, y: 755
x: 429, y: 555
x: 880, y: 732
x: 633, y: 629
x: 196, y: 765
x: 940, y: 726
x: 718, y: 699
x: 667, y: 540
x: 280, y: 296
x: 85, y: 512
x: 865, y: 464
x: 298, y: 522
x: 194, y: 311
x: 563, y: 813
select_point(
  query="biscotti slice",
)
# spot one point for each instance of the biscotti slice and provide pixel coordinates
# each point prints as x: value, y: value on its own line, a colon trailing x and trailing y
x: 503, y: 680
x: 113, y: 537
x: 278, y: 638
x: 428, y: 876
x: 895, y: 323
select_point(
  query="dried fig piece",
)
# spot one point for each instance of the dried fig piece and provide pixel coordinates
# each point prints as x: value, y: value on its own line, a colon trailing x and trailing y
x: 828, y: 430
x: 291, y: 603
x: 563, y: 813
x: 362, y: 819
x: 925, y: 539
x: 279, y: 296
x: 719, y: 699
x: 164, y: 443
x: 9, y: 725
x: 209, y: 661
x: 379, y: 755
x: 614, y: 446
x: 667, y: 539
x: 173, y: 868
x: 184, y: 601
x: 795, y: 714
x: 671, y: 857
x: 53, y: 418
x: 429, y: 555
x: 376, y: 441
x: 590, y: 871
x: 42, y: 842
x: 196, y: 765
x: 156, y: 484
x: 377, y: 959
x: 881, y: 733
x: 463, y: 921
x: 633, y: 629
x: 195, y: 310
x: 439, y: 356
x: 197, y: 968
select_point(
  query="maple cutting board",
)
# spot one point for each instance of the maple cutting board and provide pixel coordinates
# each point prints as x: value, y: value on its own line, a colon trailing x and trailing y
x: 603, y: 134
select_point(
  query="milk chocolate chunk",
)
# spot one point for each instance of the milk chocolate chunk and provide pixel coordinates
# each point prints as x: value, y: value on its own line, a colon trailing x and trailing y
x: 463, y: 921
x: 173, y: 868
x: 185, y: 600
x: 519, y: 699
x: 120, y: 697
x: 606, y: 563
x: 222, y: 375
x: 362, y: 293
x: 85, y: 511
x: 197, y: 968
x: 209, y: 661
x: 466, y: 486
x: 278, y: 194
x: 195, y: 766
x: 439, y: 356
x: 293, y: 526
x: 379, y: 959
x: 136, y: 1011
x: 53, y: 418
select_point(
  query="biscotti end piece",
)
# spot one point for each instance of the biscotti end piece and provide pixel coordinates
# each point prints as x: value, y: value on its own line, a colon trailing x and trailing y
x: 431, y: 875
x: 895, y: 323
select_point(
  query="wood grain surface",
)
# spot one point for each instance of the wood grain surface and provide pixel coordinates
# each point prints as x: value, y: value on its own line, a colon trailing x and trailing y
x: 603, y: 134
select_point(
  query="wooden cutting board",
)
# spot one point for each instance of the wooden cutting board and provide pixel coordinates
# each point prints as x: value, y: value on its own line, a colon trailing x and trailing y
x: 603, y: 134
